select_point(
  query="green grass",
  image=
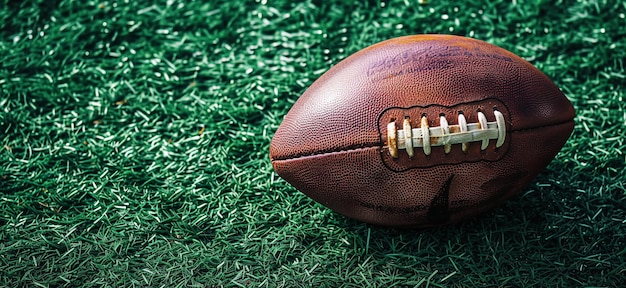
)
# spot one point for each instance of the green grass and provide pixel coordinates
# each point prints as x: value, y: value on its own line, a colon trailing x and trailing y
x: 134, y: 147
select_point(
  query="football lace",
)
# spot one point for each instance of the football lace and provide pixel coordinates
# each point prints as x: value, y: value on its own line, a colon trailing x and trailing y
x: 445, y: 135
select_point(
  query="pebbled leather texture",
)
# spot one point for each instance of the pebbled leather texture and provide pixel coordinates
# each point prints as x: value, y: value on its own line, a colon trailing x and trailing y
x: 331, y: 144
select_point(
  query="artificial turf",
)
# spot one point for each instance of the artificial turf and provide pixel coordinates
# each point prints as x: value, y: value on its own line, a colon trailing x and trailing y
x: 134, y: 143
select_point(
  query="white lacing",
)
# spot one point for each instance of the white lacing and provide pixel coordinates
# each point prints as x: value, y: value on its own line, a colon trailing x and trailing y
x: 445, y: 135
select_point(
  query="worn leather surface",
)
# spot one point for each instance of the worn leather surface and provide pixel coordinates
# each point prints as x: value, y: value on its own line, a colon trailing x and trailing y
x: 331, y: 144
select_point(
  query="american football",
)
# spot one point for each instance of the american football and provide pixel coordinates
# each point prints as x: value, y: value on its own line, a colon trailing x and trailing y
x: 422, y: 130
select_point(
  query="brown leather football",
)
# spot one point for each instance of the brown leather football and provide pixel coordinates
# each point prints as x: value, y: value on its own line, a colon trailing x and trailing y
x: 422, y: 130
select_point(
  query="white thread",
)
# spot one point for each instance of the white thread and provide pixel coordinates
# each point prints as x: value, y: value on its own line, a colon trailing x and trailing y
x: 463, y: 128
x: 445, y: 131
x: 482, y: 120
x: 392, y: 139
x: 445, y: 135
x: 408, y: 137
x: 501, y: 127
x: 425, y: 136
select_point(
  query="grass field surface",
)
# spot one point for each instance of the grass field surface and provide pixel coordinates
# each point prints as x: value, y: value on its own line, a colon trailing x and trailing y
x: 134, y: 143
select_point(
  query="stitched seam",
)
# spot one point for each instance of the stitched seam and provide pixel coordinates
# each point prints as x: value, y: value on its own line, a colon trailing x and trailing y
x: 330, y: 152
x: 322, y: 153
